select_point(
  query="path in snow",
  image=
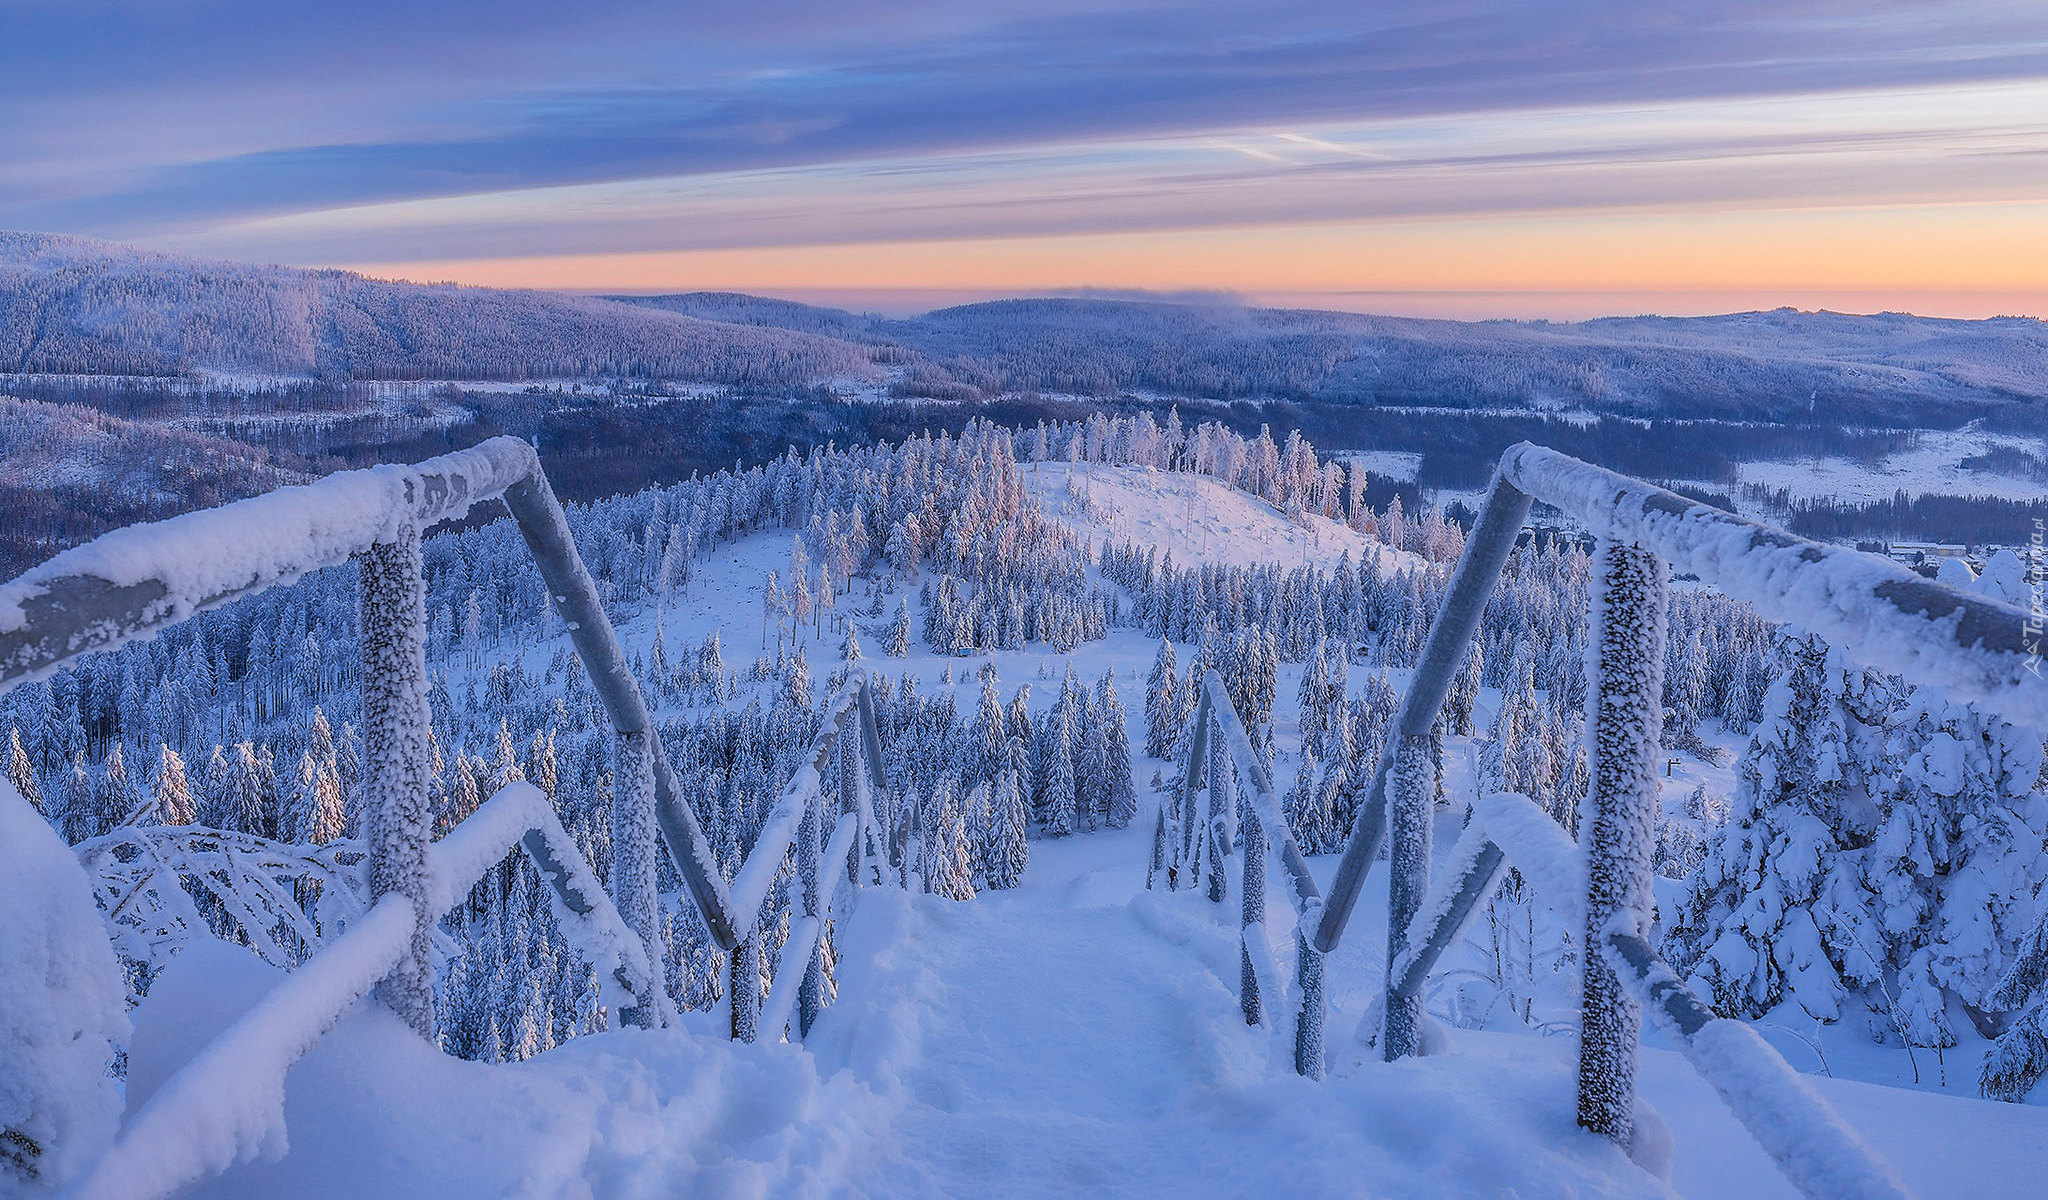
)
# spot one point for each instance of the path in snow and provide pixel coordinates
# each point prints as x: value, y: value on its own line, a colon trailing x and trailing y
x: 1075, y: 1037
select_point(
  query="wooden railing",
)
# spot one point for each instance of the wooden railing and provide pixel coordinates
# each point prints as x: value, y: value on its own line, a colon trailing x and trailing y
x: 1979, y: 650
x: 1190, y: 845
x: 135, y: 581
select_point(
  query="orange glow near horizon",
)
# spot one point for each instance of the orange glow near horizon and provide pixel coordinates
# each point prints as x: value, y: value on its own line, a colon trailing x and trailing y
x: 1970, y: 260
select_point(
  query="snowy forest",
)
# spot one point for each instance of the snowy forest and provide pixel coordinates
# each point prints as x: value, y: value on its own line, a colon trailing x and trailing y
x: 1856, y: 852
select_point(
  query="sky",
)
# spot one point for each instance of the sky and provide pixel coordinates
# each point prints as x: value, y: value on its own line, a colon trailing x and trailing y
x: 1554, y: 158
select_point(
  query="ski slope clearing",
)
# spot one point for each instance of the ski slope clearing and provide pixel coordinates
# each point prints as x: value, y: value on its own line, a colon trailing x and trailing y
x: 1934, y: 466
x: 1197, y: 518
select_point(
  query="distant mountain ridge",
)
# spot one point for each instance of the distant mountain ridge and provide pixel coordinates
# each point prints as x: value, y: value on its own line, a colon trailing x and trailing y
x: 1764, y: 365
x: 74, y: 305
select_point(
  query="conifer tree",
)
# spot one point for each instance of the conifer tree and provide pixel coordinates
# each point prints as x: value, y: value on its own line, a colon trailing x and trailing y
x: 1005, y: 851
x: 1164, y: 717
x: 1056, y: 813
x: 172, y: 790
x: 22, y: 773
x: 116, y: 801
x: 1778, y: 909
x: 991, y: 734
x: 541, y: 770
x: 948, y: 857
x: 1120, y: 792
x: 2019, y: 1058
x: 898, y: 643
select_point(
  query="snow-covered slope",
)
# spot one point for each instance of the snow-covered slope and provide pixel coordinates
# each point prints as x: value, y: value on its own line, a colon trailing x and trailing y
x: 1197, y: 518
x: 1077, y: 1036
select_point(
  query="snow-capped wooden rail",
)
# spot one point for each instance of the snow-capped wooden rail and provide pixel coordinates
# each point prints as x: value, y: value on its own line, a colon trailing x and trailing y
x: 1873, y: 609
x: 1186, y: 843
x: 135, y: 581
x: 227, y: 1103
x: 798, y: 821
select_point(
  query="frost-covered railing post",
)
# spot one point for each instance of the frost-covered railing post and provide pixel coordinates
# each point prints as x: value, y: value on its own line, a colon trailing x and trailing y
x: 1617, y: 818
x: 798, y: 823
x: 1978, y: 650
x: 1253, y: 925
x: 1219, y: 751
x: 633, y: 876
x: 1411, y: 822
x: 136, y: 581
x: 395, y: 723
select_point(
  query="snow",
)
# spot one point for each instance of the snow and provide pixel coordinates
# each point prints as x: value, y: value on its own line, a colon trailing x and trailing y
x: 1864, y: 604
x: 62, y: 1007
x: 1073, y: 1036
x: 202, y: 559
x: 1538, y: 847
x: 227, y: 1104
x: 1822, y: 1157
x: 1932, y: 466
x: 1199, y: 519
x: 1388, y: 464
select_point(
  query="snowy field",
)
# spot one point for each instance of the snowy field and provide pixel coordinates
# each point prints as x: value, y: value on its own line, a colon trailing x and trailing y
x: 1932, y: 467
x: 1195, y: 517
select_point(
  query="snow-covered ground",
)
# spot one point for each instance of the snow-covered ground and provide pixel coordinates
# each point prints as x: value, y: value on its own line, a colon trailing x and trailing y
x: 1933, y: 466
x: 1197, y: 518
x: 1078, y: 1035
x: 1389, y: 464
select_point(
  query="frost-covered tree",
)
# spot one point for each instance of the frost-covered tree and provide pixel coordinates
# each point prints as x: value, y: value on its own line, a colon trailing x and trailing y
x: 317, y: 812
x: 1960, y: 854
x: 1005, y: 852
x: 2019, y: 1058
x: 897, y: 643
x: 1056, y: 805
x: 171, y: 790
x: 1778, y: 911
x: 1119, y: 791
x: 947, y: 860
x: 117, y: 801
x: 21, y: 772
x: 1164, y: 716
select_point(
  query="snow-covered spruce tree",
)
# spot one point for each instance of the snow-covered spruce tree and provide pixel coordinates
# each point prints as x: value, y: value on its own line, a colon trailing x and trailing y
x: 990, y: 737
x: 316, y: 807
x: 1779, y: 911
x: 172, y: 791
x: 1961, y: 853
x: 21, y: 772
x: 948, y: 857
x: 1004, y: 849
x: 1056, y: 810
x: 1464, y: 693
x: 117, y: 800
x: 897, y: 643
x: 1164, y: 716
x: 1091, y: 765
x: 1306, y: 805
x: 1120, y: 791
x: 2019, y: 1058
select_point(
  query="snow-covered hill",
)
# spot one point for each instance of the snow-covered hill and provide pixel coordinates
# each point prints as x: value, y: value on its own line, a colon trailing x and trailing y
x: 1196, y: 518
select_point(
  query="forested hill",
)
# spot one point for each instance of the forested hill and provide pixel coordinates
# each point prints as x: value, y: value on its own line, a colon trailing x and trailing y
x: 74, y: 305
x: 1784, y: 364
